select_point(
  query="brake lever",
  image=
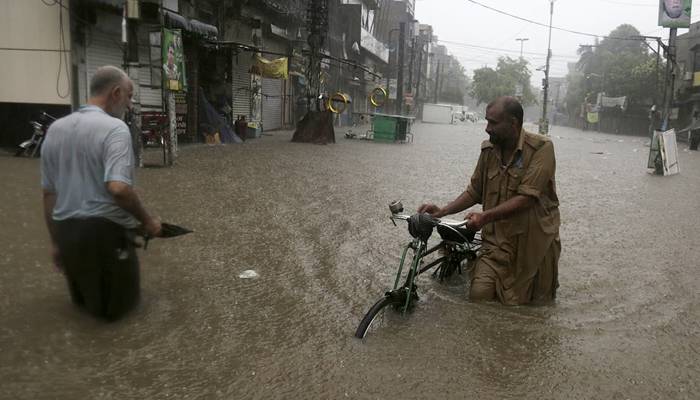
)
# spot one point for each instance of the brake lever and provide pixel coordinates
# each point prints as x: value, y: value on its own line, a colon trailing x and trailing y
x: 392, y: 221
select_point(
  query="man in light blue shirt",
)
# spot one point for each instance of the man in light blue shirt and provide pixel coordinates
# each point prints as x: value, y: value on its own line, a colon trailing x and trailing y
x: 87, y: 176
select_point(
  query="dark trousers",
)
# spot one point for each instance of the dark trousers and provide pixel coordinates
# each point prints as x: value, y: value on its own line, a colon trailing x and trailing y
x: 100, y: 265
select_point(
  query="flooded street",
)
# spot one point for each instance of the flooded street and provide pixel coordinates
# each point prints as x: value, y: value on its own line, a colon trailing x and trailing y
x: 313, y: 222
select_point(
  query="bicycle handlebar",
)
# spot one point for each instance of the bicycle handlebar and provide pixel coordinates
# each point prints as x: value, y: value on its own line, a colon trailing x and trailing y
x: 440, y: 221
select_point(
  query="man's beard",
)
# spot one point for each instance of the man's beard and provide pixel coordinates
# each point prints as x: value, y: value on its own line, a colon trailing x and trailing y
x: 494, y: 140
x: 117, y: 112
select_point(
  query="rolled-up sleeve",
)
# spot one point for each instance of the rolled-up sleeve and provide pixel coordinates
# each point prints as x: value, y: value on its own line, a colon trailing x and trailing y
x: 539, y: 172
x: 119, y: 156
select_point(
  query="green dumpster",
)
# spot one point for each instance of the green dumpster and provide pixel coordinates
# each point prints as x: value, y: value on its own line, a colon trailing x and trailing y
x: 391, y: 128
x: 384, y: 128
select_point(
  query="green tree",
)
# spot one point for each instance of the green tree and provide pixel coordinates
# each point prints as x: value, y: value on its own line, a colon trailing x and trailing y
x: 509, y: 76
x: 619, y: 65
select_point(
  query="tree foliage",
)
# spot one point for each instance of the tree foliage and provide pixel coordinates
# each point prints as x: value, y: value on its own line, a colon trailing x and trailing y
x: 454, y: 83
x: 618, y: 66
x: 489, y: 83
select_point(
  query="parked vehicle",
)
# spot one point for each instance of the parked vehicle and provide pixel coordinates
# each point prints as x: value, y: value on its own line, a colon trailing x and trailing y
x: 32, y: 146
x: 437, y: 114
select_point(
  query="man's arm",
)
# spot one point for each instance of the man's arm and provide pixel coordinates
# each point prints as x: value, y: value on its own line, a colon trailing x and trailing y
x: 49, y: 204
x: 534, y: 183
x: 515, y: 205
x: 461, y: 203
x: 125, y: 197
x: 49, y: 198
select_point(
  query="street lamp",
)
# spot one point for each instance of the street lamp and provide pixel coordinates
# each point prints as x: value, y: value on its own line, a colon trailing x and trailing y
x: 522, y: 40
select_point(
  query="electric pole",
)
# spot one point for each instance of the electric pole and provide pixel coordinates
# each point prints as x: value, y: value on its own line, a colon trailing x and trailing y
x: 131, y: 61
x: 522, y: 40
x: 544, y: 122
x: 410, y: 66
x: 399, y: 77
x: 420, y: 72
x: 437, y: 81
x: 317, y: 23
x: 670, y: 77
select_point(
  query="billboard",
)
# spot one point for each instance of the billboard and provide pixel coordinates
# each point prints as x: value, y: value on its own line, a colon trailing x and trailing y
x: 173, y: 60
x: 674, y: 13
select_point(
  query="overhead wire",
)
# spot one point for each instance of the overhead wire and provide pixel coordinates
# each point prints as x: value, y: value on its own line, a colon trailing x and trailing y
x: 553, y: 27
x: 495, y: 49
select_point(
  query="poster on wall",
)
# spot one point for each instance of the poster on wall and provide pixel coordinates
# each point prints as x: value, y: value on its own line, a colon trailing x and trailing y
x: 675, y: 13
x: 173, y: 60
x: 181, y: 113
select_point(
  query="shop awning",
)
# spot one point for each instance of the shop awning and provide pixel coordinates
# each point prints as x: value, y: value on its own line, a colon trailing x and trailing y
x: 177, y: 21
x: 203, y: 29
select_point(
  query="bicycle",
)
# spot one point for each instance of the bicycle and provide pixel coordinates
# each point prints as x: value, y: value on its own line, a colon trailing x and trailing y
x: 459, y: 243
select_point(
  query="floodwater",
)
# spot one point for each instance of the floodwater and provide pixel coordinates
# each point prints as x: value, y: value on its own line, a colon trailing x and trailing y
x: 312, y: 221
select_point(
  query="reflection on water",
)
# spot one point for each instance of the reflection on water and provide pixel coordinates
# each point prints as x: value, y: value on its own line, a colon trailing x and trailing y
x: 312, y: 222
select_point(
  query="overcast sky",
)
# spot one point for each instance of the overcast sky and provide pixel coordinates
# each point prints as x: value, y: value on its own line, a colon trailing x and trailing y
x: 469, y: 25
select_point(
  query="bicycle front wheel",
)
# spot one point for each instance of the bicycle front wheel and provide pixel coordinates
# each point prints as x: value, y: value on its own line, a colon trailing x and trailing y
x: 375, y: 317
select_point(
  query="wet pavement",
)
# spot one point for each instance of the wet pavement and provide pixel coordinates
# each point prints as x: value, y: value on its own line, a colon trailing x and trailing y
x: 312, y: 221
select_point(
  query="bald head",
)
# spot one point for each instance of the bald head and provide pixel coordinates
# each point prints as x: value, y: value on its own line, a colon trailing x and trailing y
x: 105, y: 79
x: 111, y: 89
x: 509, y: 106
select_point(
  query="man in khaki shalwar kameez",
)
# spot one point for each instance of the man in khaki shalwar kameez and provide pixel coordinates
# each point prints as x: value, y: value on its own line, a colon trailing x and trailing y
x: 514, y: 181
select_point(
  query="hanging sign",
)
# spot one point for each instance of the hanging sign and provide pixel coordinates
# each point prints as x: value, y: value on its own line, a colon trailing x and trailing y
x: 275, y: 69
x: 173, y: 60
x: 675, y: 13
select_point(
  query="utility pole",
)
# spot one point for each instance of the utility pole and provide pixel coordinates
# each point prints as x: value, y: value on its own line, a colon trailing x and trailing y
x: 410, y: 66
x: 399, y: 77
x: 410, y: 76
x: 420, y: 72
x: 522, y: 40
x: 544, y: 123
x: 388, y: 69
x: 670, y: 77
x: 131, y: 61
x: 317, y: 24
x: 437, y: 81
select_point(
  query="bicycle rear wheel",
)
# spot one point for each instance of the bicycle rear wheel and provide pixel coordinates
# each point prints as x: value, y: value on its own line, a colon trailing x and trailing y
x: 376, y: 318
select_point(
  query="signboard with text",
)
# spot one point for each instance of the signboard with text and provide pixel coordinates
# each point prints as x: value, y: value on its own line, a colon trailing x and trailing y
x: 180, y: 113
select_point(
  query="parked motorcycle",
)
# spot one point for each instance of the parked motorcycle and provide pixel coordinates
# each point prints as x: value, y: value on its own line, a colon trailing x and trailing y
x: 32, y: 146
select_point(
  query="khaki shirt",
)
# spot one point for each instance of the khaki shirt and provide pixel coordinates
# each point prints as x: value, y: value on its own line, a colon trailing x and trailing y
x: 524, y: 248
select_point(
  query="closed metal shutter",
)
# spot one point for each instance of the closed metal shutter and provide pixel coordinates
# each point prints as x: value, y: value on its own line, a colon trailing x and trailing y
x: 102, y: 49
x: 240, y: 90
x: 150, y: 53
x: 271, y: 104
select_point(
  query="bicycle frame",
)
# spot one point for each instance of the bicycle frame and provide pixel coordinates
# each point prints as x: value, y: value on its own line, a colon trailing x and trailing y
x: 419, y: 252
x: 460, y: 245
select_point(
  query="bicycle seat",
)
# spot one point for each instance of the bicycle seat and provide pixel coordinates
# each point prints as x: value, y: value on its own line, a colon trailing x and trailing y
x: 449, y: 234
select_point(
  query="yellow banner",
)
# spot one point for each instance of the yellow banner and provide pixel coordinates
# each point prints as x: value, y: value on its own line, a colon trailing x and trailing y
x: 275, y: 69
